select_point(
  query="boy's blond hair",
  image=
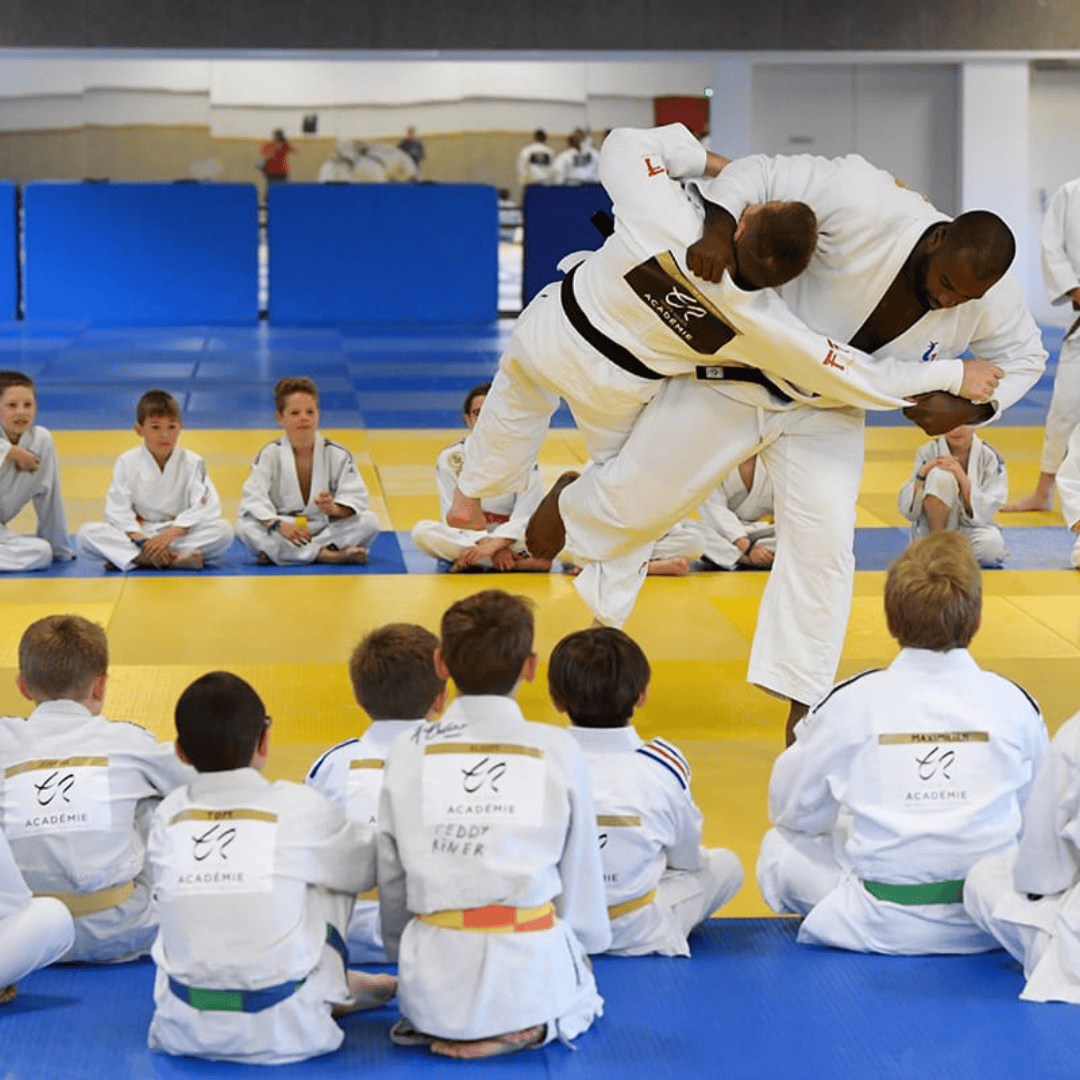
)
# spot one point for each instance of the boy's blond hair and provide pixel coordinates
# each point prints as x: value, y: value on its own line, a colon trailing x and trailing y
x: 393, y: 672
x: 156, y: 403
x: 933, y: 593
x: 293, y: 384
x: 60, y: 656
x: 16, y: 378
x: 486, y: 639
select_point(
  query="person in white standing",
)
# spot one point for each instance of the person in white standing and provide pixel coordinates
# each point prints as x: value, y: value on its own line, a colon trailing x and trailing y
x: 76, y: 791
x: 659, y: 879
x: 162, y: 510
x: 393, y: 678
x: 536, y: 162
x: 304, y: 500
x: 255, y: 882
x: 910, y: 290
x: 489, y: 874
x: 1060, y: 244
x: 579, y: 163
x: 29, y: 473
x: 958, y: 482
x: 902, y: 779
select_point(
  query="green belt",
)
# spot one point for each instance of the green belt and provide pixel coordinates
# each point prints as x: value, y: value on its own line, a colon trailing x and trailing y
x: 930, y: 892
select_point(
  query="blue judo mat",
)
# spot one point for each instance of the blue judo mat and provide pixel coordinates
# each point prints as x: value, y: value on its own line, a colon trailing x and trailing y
x: 749, y: 1003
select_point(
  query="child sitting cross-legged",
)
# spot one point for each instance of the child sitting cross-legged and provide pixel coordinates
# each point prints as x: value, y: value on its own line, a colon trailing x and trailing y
x: 255, y: 882
x: 660, y: 882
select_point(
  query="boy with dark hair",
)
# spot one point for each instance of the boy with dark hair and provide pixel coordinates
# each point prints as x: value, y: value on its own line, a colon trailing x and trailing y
x: 161, y: 510
x: 394, y: 681
x: 900, y: 780
x: 255, y: 882
x: 304, y: 500
x: 502, y: 546
x: 75, y: 790
x: 29, y: 472
x: 660, y: 881
x: 489, y: 873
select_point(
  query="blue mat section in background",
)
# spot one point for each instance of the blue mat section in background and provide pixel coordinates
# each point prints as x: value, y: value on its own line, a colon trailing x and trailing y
x: 139, y: 254
x: 383, y: 253
x: 556, y: 222
x: 9, y: 251
x: 749, y: 1003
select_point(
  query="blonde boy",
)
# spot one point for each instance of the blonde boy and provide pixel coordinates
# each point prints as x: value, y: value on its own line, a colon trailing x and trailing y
x: 75, y: 789
x: 304, y: 500
x: 394, y: 681
x: 659, y: 879
x: 28, y: 473
x: 161, y: 510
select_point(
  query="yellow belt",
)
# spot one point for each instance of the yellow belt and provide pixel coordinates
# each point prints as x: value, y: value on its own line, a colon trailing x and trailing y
x: 494, y: 919
x: 91, y: 903
x: 631, y: 905
x: 371, y: 894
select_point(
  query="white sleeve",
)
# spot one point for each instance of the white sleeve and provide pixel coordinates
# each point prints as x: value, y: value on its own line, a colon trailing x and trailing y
x: 1059, y: 269
x: 120, y: 498
x: 201, y: 502
x: 684, y: 853
x: 337, y: 853
x: 346, y: 485
x: 524, y: 505
x: 445, y: 479
x: 14, y: 893
x: 390, y: 875
x: 909, y: 502
x: 718, y: 515
x: 990, y: 488
x: 1068, y: 480
x: 255, y: 501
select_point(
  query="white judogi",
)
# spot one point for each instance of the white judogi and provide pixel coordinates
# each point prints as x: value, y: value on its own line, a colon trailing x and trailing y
x: 1028, y: 898
x: 637, y: 292
x: 34, y: 930
x: 398, y: 166
x: 42, y: 487
x: 247, y: 875
x: 480, y: 808
x: 76, y: 789
x: 1068, y: 487
x: 1060, y: 245
x: 350, y: 776
x: 578, y: 165
x: 868, y: 227
x: 272, y: 490
x: 506, y: 515
x: 989, y: 489
x: 145, y: 498
x: 902, y: 776
x: 649, y: 831
x: 536, y: 164
x: 733, y: 513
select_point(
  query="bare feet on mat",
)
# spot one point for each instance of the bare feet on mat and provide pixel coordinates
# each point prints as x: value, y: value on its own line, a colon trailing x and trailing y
x: 1035, y: 501
x: 465, y: 513
x: 493, y: 1047
x: 545, y: 534
x: 526, y: 564
x: 676, y: 567
x: 367, y: 991
x: 189, y: 560
x: 352, y: 556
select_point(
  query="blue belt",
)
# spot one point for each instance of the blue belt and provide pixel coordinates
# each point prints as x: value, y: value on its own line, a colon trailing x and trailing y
x: 251, y: 1001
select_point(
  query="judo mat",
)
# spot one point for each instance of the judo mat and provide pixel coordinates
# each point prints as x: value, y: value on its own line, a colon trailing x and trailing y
x: 749, y: 1002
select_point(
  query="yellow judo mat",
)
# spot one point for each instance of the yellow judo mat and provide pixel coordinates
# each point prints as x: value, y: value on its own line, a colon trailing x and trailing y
x: 290, y: 636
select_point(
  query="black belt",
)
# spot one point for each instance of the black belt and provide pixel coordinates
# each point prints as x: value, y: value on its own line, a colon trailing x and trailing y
x: 619, y: 356
x: 729, y: 373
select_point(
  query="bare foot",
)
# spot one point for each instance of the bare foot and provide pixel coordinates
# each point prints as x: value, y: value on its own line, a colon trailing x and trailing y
x: 263, y: 559
x: 1034, y: 501
x: 8, y: 994
x: 676, y: 567
x: 353, y: 556
x: 188, y: 560
x: 493, y: 1047
x: 526, y: 564
x: 367, y: 991
x: 545, y: 534
x: 465, y: 513
x: 164, y: 561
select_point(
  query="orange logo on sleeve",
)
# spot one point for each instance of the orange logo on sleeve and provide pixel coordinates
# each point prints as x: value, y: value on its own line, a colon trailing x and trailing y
x: 653, y: 170
x: 831, y: 358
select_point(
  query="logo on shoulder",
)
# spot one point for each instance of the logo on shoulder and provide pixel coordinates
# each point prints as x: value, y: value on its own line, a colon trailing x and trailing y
x: 652, y: 167
x: 930, y: 354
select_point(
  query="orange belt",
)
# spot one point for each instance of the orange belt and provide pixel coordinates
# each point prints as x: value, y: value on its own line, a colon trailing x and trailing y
x: 494, y: 919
